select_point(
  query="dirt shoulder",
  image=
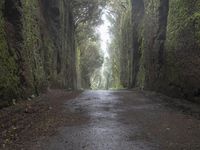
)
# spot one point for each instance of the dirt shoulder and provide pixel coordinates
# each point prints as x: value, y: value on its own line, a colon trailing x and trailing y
x: 182, y: 105
x: 23, y: 123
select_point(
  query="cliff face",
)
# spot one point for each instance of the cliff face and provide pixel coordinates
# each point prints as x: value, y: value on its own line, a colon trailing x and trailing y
x: 36, y: 47
x: 166, y: 47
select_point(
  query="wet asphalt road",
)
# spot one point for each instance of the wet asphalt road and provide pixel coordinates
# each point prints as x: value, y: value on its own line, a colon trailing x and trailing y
x: 124, y: 120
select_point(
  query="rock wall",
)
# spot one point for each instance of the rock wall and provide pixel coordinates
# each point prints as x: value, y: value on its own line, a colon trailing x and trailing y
x: 166, y: 47
x: 37, y: 48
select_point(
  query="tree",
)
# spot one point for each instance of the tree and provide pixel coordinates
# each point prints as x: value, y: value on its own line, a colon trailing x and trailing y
x: 121, y: 45
x: 87, y: 15
x: 90, y: 59
x: 88, y: 11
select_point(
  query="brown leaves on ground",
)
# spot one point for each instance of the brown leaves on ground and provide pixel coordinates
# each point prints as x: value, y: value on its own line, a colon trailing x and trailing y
x: 28, y: 120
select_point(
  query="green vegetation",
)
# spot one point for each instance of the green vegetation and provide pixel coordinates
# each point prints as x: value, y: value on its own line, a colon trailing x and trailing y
x: 9, y: 80
x: 141, y: 73
x: 87, y: 15
x: 36, y: 48
x: 91, y: 60
x: 182, y: 47
x: 87, y: 12
x: 121, y: 45
x: 32, y: 47
x: 155, y: 45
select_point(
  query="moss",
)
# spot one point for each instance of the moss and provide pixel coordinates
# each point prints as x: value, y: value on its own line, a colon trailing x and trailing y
x: 183, y: 45
x: 141, y: 74
x: 9, y: 80
x: 182, y: 18
x: 29, y: 55
x: 151, y: 7
x: 181, y: 38
x: 196, y: 20
x: 125, y: 45
x: 33, y: 52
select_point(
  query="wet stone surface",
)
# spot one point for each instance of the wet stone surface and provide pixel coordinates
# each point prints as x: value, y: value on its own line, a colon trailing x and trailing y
x: 124, y: 120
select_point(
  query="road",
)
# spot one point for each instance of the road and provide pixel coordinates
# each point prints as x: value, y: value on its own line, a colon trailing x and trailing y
x: 125, y: 120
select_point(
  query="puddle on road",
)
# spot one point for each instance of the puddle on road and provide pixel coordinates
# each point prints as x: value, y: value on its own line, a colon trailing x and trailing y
x: 103, y: 131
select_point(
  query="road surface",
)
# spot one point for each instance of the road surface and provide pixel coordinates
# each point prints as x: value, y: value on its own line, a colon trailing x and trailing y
x: 125, y: 120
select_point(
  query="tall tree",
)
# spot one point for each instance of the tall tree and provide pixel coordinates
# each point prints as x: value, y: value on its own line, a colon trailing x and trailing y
x: 121, y: 45
x: 87, y: 16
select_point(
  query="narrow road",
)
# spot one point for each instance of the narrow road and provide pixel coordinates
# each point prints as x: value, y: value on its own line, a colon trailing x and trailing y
x: 125, y: 120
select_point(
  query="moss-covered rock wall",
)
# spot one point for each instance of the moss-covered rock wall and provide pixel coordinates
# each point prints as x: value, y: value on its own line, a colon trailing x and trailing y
x: 183, y: 48
x: 166, y: 47
x: 36, y: 47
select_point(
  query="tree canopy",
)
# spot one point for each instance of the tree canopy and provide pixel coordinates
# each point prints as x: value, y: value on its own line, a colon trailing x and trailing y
x: 87, y: 16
